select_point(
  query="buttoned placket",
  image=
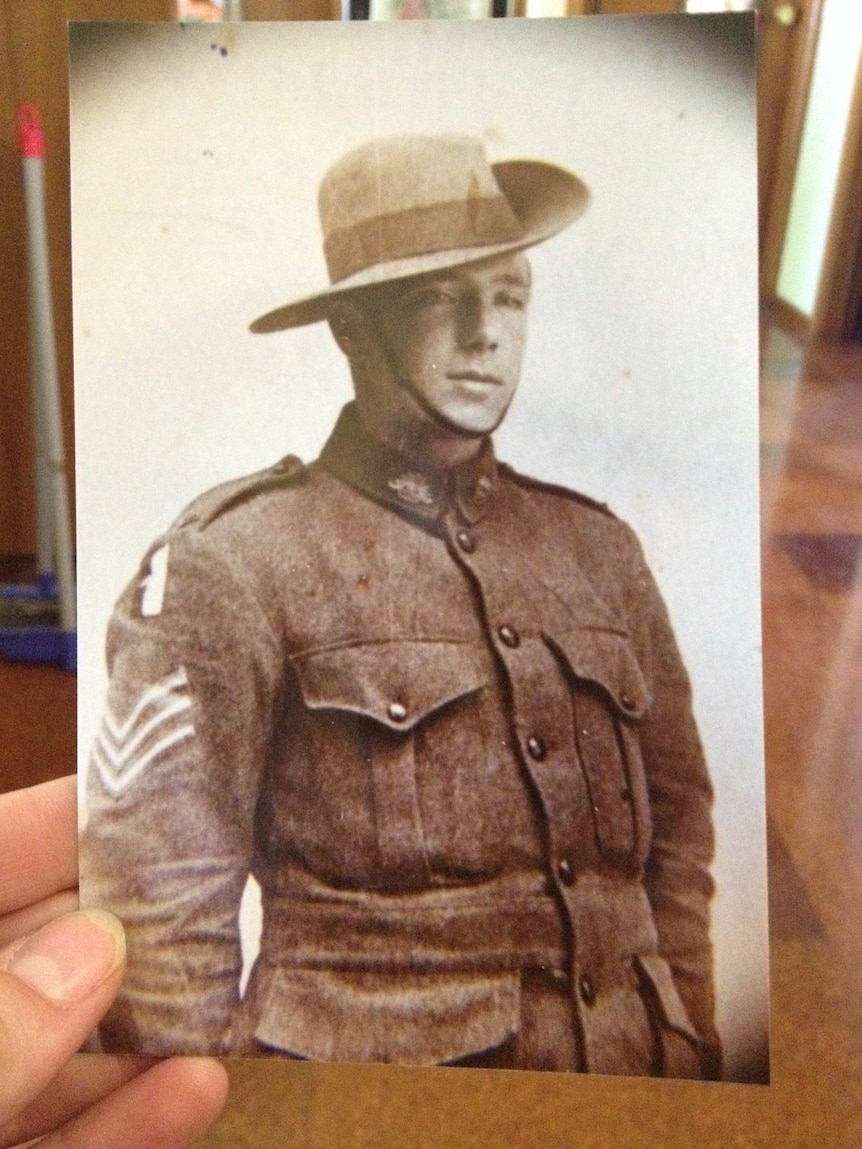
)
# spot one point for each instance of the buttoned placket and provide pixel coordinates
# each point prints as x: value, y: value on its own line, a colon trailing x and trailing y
x: 467, y: 515
x: 543, y: 723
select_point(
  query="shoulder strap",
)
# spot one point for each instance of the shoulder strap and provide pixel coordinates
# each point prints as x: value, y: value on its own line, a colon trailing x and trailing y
x: 551, y: 488
x: 288, y: 472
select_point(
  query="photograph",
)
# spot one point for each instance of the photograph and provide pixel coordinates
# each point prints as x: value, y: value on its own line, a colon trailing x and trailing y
x: 420, y: 700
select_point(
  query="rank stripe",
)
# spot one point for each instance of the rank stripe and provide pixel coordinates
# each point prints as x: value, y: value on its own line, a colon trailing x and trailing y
x: 120, y: 730
x: 124, y: 750
x: 121, y: 752
x: 117, y: 782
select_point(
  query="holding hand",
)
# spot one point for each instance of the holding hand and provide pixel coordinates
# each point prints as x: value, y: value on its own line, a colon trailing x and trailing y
x: 60, y: 969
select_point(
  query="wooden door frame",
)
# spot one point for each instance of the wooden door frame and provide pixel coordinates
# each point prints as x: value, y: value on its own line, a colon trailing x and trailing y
x: 778, y: 209
x: 840, y: 289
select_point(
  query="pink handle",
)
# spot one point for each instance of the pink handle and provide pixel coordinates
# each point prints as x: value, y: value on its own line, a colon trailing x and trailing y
x: 31, y: 138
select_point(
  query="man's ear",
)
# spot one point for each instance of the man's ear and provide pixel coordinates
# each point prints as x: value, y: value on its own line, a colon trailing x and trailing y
x: 348, y: 323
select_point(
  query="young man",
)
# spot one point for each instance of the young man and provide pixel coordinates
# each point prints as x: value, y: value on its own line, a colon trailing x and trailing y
x: 434, y: 707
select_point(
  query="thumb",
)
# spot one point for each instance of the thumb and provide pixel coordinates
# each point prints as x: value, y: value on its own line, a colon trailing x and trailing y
x: 55, y: 985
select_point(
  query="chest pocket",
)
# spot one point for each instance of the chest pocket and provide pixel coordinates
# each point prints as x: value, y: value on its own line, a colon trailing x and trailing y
x: 404, y: 693
x: 609, y: 697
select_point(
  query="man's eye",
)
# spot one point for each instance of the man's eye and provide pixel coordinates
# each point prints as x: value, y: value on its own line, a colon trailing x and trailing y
x: 430, y: 297
x: 514, y: 301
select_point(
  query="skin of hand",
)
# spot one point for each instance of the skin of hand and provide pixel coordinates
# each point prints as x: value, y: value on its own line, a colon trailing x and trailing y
x: 60, y: 969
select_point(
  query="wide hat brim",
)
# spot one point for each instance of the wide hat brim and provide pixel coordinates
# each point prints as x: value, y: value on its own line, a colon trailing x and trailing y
x: 544, y: 198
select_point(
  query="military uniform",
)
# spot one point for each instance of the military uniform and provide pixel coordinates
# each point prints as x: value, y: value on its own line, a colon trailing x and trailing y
x: 444, y: 723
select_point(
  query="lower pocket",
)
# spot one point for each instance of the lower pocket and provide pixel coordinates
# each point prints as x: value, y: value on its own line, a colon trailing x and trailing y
x: 406, y: 1018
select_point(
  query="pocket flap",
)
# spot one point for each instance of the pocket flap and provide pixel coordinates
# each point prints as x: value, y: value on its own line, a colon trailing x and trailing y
x: 607, y: 659
x: 657, y: 973
x: 397, y: 682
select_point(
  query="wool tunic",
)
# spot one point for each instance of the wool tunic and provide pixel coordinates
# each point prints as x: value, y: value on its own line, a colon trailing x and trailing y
x: 443, y: 721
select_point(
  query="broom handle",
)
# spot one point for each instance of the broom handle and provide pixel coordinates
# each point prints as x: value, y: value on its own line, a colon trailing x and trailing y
x: 32, y: 142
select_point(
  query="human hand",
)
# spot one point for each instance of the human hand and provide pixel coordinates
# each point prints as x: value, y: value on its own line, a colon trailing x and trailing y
x: 59, y: 972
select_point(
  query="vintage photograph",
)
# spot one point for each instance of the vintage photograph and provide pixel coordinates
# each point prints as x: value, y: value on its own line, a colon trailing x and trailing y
x: 419, y: 644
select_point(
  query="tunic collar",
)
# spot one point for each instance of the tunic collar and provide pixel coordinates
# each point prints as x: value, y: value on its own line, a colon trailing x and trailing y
x: 408, y: 487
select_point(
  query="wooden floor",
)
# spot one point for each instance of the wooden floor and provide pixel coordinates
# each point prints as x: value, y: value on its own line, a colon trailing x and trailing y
x: 812, y: 595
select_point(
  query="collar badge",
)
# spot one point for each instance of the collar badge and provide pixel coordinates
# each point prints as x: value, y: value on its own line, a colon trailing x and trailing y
x: 413, y: 489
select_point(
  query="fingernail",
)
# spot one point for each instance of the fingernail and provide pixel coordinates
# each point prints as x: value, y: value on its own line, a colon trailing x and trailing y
x: 70, y: 957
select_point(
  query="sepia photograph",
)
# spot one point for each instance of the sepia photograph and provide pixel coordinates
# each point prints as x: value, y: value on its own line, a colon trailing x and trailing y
x: 420, y: 705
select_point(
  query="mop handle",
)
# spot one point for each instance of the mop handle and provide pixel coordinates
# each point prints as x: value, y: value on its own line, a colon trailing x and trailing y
x: 32, y: 144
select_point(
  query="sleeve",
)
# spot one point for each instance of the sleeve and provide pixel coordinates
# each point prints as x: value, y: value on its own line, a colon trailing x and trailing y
x: 172, y: 786
x: 678, y: 879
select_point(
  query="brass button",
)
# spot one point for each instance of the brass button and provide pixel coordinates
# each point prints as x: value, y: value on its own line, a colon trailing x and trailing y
x: 559, y: 978
x: 565, y: 872
x: 587, y: 990
x: 465, y: 541
x: 509, y: 636
x: 397, y: 711
x: 287, y: 465
x: 536, y: 748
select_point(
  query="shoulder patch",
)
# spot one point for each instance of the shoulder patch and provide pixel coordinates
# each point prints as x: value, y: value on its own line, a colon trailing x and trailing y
x: 154, y: 582
x: 553, y: 489
x: 288, y: 472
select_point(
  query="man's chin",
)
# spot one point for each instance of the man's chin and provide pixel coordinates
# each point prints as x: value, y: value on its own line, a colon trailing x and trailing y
x: 467, y: 428
x: 472, y: 420
x: 466, y: 420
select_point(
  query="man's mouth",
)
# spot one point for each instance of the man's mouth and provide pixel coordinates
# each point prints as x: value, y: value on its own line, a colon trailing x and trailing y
x: 473, y: 377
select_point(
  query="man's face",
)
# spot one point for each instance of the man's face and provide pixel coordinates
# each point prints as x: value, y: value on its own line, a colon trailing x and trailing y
x: 455, y: 340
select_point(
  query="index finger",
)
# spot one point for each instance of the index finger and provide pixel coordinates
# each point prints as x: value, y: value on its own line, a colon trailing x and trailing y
x: 38, y: 843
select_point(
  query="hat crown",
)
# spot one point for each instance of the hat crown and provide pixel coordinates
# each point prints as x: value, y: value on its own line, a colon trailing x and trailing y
x: 398, y: 173
x: 410, y: 205
x: 411, y: 195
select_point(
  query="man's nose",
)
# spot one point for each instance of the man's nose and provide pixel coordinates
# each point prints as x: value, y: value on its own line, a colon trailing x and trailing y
x: 478, y: 326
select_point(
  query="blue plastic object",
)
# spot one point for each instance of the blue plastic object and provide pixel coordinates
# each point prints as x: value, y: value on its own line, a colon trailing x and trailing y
x: 29, y: 625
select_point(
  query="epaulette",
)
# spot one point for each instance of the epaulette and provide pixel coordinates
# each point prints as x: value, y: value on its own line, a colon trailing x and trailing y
x: 553, y: 489
x: 205, y: 509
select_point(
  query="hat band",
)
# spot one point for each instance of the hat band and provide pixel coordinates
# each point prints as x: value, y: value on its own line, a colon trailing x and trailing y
x: 470, y: 222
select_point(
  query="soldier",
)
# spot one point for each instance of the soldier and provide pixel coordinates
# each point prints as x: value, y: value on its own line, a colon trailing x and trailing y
x: 434, y: 707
